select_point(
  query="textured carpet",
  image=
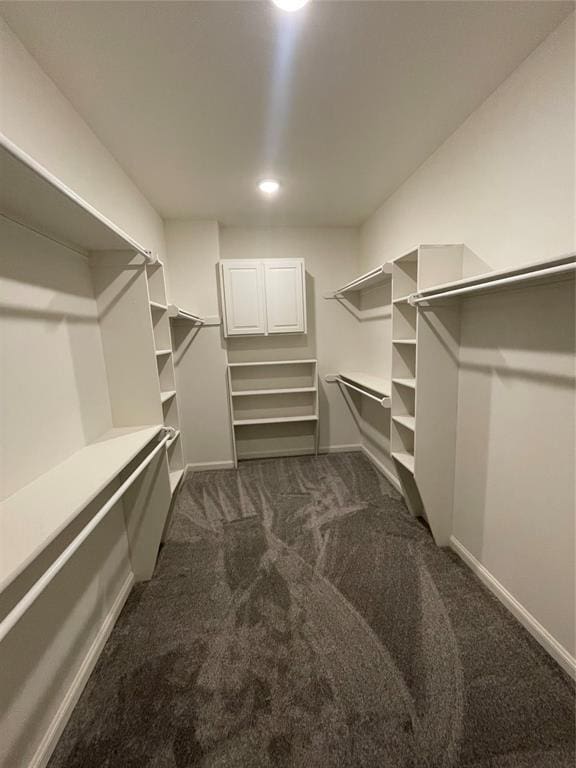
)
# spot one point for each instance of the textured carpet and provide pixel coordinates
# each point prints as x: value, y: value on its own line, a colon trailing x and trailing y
x: 300, y: 617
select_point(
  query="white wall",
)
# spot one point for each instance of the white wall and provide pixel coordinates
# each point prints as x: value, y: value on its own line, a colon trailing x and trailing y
x: 503, y: 184
x: 53, y: 389
x: 192, y: 252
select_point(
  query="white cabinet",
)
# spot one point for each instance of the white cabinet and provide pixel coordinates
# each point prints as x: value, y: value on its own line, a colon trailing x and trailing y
x: 261, y: 297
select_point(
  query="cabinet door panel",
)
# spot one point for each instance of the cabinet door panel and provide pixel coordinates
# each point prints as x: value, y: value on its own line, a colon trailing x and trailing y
x: 244, y: 302
x: 285, y: 304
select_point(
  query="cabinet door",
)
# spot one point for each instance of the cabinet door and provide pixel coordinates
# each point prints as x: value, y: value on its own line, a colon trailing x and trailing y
x: 285, y: 296
x: 243, y: 297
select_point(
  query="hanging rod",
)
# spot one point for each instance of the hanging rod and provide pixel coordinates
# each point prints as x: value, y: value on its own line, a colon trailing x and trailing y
x: 417, y: 299
x: 14, y: 616
x: 177, y: 313
x: 384, y: 401
x: 374, y: 277
x: 174, y: 311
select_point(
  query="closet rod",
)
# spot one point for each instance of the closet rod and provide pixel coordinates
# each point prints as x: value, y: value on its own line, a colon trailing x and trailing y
x: 417, y: 299
x: 14, y: 616
x: 383, y: 401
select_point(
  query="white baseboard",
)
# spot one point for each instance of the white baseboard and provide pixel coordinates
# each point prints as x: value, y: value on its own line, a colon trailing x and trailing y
x: 50, y: 739
x: 352, y: 448
x: 392, y: 479
x: 201, y: 466
x: 557, y: 651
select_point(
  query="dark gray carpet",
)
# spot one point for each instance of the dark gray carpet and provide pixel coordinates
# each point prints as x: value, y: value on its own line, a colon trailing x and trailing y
x: 300, y: 617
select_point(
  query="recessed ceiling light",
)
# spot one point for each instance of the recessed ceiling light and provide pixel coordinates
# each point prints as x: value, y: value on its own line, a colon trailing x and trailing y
x: 269, y: 186
x: 290, y: 5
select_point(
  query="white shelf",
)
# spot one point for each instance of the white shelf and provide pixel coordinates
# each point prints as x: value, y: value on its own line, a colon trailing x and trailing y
x: 34, y: 516
x: 165, y: 396
x: 402, y: 299
x: 272, y: 362
x: 287, y: 391
x: 175, y: 477
x: 411, y: 342
x: 410, y: 383
x: 406, y: 459
x: 549, y: 270
x: 154, y: 305
x: 406, y: 421
x: 367, y: 381
x: 163, y: 352
x: 274, y: 420
x: 381, y: 274
x: 33, y: 196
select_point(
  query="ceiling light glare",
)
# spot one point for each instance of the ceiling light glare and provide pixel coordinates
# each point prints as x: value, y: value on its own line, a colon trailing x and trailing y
x: 269, y: 186
x: 290, y: 5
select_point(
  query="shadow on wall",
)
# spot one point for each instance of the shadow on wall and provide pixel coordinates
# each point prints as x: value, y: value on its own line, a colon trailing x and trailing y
x: 516, y: 403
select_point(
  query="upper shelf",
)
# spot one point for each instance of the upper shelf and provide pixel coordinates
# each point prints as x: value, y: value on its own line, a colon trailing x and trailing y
x: 550, y: 270
x: 376, y: 276
x: 32, y: 196
x: 34, y: 516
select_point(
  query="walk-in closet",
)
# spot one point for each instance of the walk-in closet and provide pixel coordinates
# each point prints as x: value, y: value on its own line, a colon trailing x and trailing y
x: 287, y: 384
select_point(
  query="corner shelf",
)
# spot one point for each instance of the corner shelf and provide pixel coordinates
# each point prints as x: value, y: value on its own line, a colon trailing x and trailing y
x: 163, y: 352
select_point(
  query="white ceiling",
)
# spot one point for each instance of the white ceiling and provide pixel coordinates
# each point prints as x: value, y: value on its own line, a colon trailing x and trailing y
x: 341, y: 101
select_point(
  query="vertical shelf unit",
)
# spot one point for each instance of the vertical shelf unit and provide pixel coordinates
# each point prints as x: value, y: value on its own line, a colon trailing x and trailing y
x: 404, y: 348
x: 425, y: 353
x: 279, y: 393
x: 160, y: 318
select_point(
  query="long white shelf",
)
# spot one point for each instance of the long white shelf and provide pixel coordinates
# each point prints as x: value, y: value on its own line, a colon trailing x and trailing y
x: 549, y: 270
x: 272, y: 362
x: 34, y: 516
x: 406, y: 459
x: 286, y: 391
x: 274, y: 420
x: 34, y: 197
x: 376, y: 276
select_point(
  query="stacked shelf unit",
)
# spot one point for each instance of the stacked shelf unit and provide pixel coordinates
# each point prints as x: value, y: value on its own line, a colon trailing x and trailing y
x: 404, y: 342
x: 160, y: 314
x: 272, y: 393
